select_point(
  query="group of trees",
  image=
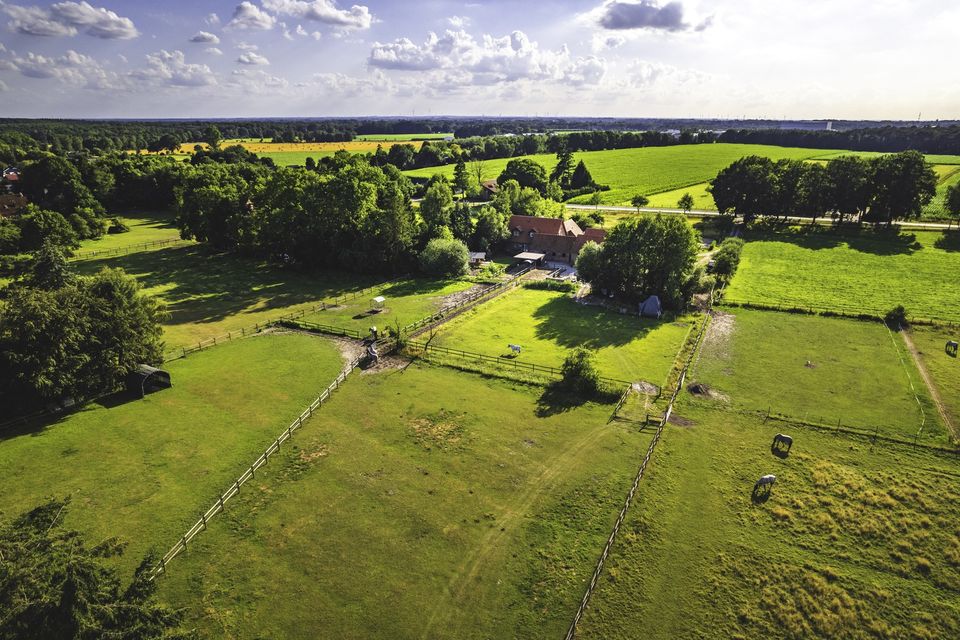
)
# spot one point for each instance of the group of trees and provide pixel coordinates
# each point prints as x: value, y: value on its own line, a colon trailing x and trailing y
x: 645, y: 256
x: 926, y: 139
x: 881, y: 189
x: 566, y: 181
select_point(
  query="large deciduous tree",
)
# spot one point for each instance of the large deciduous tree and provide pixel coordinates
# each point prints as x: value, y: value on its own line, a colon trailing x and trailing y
x: 902, y: 185
x: 527, y: 173
x: 746, y: 188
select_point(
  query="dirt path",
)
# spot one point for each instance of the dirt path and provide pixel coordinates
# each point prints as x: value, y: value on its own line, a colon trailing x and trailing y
x: 928, y: 381
x: 464, y: 582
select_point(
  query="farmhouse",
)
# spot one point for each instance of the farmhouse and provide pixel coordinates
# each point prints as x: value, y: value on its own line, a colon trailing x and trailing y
x: 559, y: 240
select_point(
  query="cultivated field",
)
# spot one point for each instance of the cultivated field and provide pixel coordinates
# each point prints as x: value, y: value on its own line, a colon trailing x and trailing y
x: 296, y: 153
x: 855, y: 540
x: 401, y: 137
x: 646, y: 170
x: 813, y: 368
x: 209, y: 293
x: 548, y: 325
x: 869, y: 272
x: 143, y: 469
x: 422, y: 502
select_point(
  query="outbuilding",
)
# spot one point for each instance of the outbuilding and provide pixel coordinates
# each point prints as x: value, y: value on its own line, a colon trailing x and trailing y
x: 530, y: 257
x: 476, y: 258
x: 650, y: 308
x: 145, y: 379
x: 378, y: 303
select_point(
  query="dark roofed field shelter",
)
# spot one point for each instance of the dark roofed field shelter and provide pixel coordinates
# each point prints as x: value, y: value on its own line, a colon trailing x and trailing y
x: 145, y: 379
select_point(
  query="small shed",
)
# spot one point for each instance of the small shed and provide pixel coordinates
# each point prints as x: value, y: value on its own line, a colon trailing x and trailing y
x: 650, y: 308
x: 145, y: 379
x: 378, y: 303
x: 476, y: 257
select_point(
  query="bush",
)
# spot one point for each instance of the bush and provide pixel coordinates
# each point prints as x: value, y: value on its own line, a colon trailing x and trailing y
x: 566, y: 286
x: 727, y: 258
x: 580, y: 375
x: 896, y: 317
x: 117, y: 226
x: 444, y: 257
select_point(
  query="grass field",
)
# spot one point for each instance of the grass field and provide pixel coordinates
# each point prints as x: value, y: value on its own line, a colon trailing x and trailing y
x: 855, y: 541
x: 144, y: 469
x: 296, y: 153
x: 870, y: 271
x: 647, y: 170
x: 417, y: 503
x: 943, y: 368
x: 548, y: 325
x: 144, y: 227
x: 407, y: 301
x: 401, y: 137
x: 209, y: 293
x: 815, y: 368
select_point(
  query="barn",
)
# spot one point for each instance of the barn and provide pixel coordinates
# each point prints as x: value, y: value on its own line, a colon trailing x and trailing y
x: 145, y: 379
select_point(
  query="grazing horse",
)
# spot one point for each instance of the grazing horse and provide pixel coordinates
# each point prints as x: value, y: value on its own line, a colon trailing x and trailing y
x: 782, y: 439
x: 515, y: 348
x: 765, y: 482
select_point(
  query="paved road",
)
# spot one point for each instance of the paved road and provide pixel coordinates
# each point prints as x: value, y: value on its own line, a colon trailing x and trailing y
x: 698, y: 213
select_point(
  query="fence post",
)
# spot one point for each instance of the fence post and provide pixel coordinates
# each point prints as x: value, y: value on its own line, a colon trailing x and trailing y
x: 203, y: 519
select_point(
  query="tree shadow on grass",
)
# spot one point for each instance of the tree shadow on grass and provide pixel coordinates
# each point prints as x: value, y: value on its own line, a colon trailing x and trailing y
x: 864, y: 239
x: 949, y: 241
x: 568, y: 324
x: 201, y: 285
x: 554, y: 401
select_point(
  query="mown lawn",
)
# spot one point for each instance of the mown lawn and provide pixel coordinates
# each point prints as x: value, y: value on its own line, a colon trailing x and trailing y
x: 406, y: 301
x: 646, y: 170
x: 548, y: 325
x: 209, y: 293
x: 869, y: 272
x: 855, y: 541
x: 144, y: 469
x: 943, y: 368
x: 417, y: 503
x: 144, y: 228
x: 815, y: 368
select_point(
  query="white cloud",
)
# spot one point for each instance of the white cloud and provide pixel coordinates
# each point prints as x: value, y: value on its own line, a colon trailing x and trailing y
x: 3, y: 86
x: 586, y: 71
x: 171, y: 68
x: 67, y: 18
x: 257, y: 81
x: 249, y: 16
x: 253, y: 59
x: 246, y: 46
x: 459, y: 22
x: 214, y: 51
x: 326, y: 11
x: 212, y: 19
x: 205, y: 37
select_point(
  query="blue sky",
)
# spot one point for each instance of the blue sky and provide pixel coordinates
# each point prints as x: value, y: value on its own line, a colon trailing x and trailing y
x: 695, y: 58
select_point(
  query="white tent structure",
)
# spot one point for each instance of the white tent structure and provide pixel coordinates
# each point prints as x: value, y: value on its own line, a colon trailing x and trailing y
x: 650, y: 308
x: 378, y: 302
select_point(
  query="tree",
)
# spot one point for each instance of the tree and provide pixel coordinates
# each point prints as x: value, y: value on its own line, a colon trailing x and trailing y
x: 444, y: 257
x: 48, y: 268
x: 564, y: 169
x: 649, y: 256
x: 53, y: 585
x: 902, y: 185
x: 461, y: 179
x: 478, y: 170
x: 212, y: 136
x: 813, y: 193
x: 580, y: 375
x: 461, y: 222
x: 490, y: 229
x: 788, y: 176
x: 55, y: 184
x: 639, y: 201
x: 435, y: 207
x: 727, y: 258
x: 39, y: 225
x: 747, y: 187
x: 527, y: 173
x: 685, y: 203
x: 953, y: 201
x: 848, y: 186
x: 581, y: 178
x: 589, y: 262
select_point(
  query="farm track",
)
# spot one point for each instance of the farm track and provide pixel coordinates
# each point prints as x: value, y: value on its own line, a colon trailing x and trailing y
x: 928, y: 381
x: 464, y: 581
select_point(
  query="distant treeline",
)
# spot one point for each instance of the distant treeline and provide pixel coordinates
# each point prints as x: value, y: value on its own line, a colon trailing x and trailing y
x: 943, y: 139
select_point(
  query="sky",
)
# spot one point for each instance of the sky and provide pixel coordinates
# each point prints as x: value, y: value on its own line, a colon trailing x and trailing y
x: 837, y: 59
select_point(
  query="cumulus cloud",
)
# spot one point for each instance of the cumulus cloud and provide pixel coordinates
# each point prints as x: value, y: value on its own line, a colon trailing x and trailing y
x: 68, y: 18
x: 205, y: 37
x: 486, y: 61
x: 586, y: 71
x: 326, y: 11
x: 459, y: 22
x: 213, y: 19
x: 646, y: 14
x: 72, y: 69
x: 253, y: 59
x: 257, y: 81
x: 246, y: 46
x: 171, y: 68
x: 249, y: 16
x: 214, y: 51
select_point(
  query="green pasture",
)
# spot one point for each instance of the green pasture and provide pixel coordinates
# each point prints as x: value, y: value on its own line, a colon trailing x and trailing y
x: 854, y: 541
x: 209, y: 294
x: 702, y: 199
x: 401, y: 137
x: 943, y: 368
x: 646, y: 170
x: 406, y: 301
x: 817, y: 369
x: 548, y: 325
x: 144, y: 228
x: 419, y: 502
x: 868, y: 271
x: 144, y: 469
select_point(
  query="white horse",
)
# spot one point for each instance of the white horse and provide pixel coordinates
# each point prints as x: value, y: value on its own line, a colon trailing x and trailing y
x: 765, y: 482
x: 784, y: 439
